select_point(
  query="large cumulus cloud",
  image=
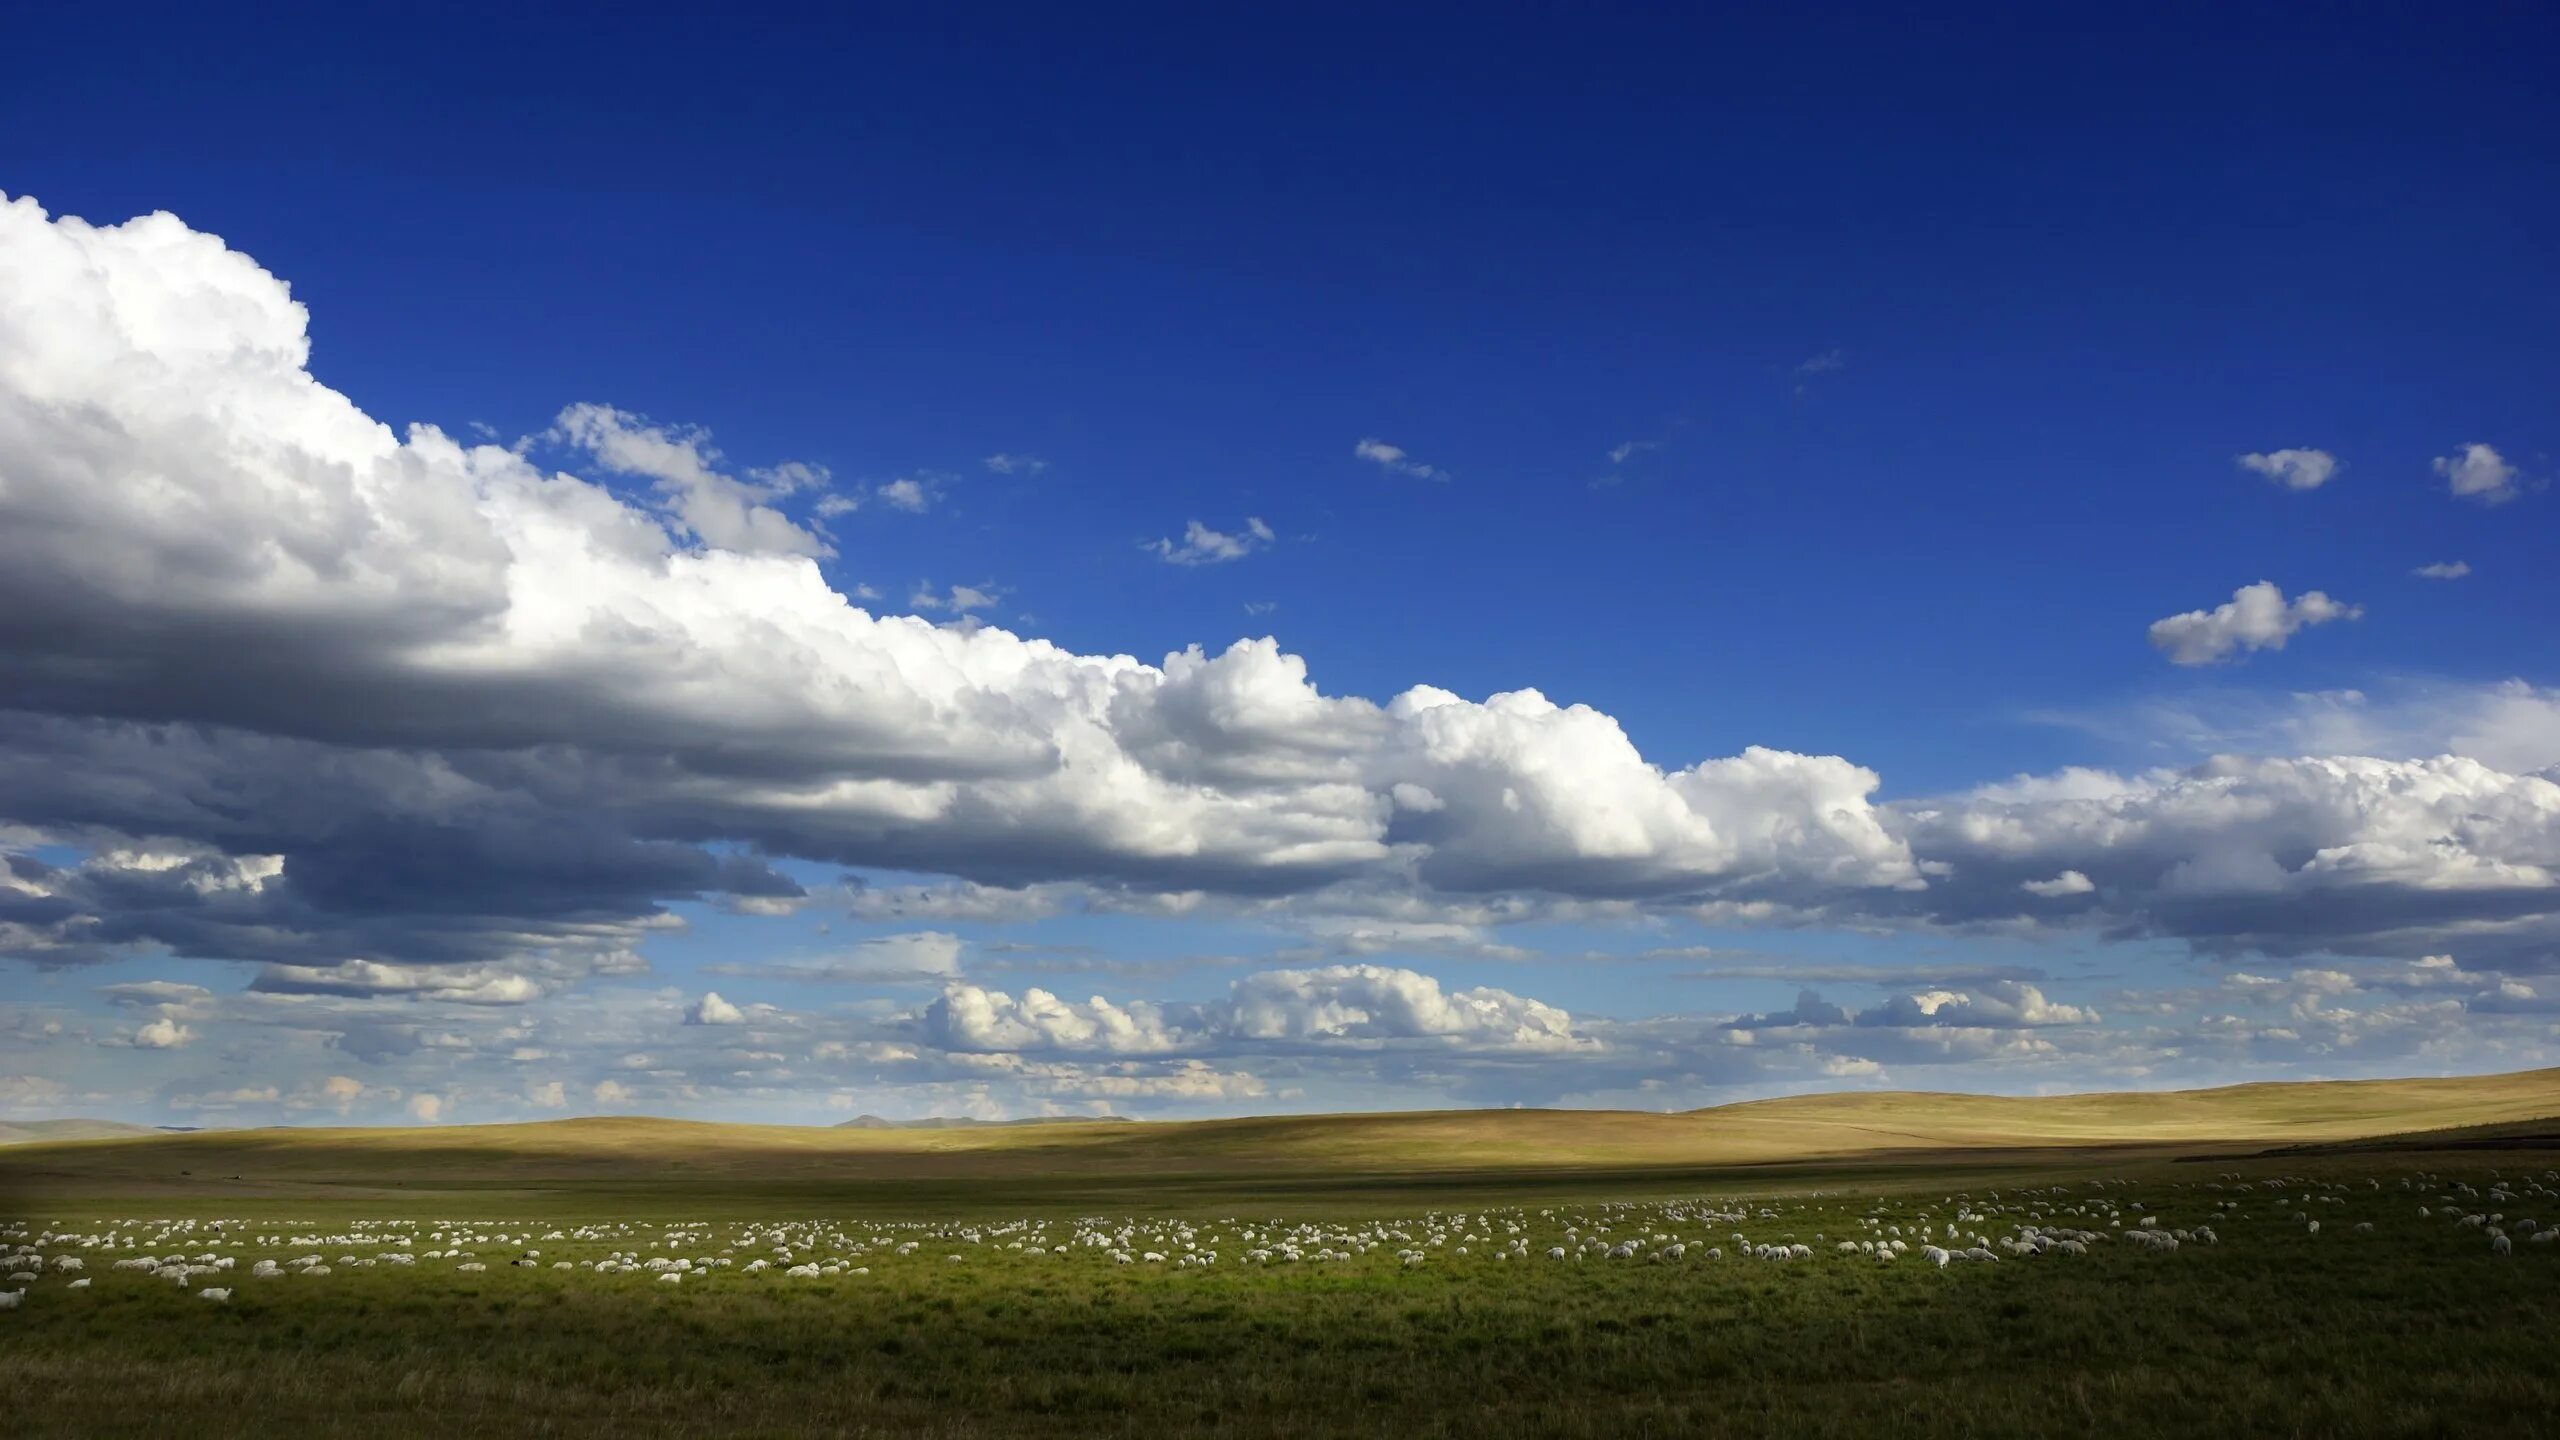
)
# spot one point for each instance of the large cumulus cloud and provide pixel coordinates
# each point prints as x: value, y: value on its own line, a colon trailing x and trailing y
x: 425, y: 678
x: 2282, y: 855
x: 348, y: 701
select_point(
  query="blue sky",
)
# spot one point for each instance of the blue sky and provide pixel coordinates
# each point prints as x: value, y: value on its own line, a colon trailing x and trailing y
x: 1847, y: 384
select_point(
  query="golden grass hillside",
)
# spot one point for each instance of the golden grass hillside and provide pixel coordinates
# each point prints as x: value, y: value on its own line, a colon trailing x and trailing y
x: 1276, y: 1154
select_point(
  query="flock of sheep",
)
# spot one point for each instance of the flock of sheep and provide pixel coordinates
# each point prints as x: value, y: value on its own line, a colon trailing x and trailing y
x: 215, y: 1257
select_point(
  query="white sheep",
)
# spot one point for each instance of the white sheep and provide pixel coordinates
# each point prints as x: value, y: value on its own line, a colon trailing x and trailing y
x: 218, y: 1297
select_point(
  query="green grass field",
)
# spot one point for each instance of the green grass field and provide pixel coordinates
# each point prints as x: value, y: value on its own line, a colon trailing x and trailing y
x: 1311, y: 1318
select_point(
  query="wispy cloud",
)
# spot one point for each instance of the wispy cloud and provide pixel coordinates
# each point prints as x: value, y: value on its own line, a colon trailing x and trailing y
x: 1201, y: 545
x: 1394, y: 460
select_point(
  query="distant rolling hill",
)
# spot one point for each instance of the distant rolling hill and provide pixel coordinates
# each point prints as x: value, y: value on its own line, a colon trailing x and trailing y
x: 964, y: 1122
x: 1758, y: 1142
x: 29, y: 1132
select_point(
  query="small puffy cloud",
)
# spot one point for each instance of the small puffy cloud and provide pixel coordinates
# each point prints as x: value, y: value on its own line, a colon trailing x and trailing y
x: 2069, y: 882
x: 1380, y: 1003
x: 1201, y: 545
x: 972, y: 1018
x: 2256, y: 617
x: 549, y: 1095
x: 914, y: 494
x: 1829, y: 362
x: 426, y: 1108
x: 2443, y: 570
x: 1393, y: 460
x: 1005, y: 464
x: 610, y: 1092
x: 712, y: 1010
x: 342, y: 1092
x: 2478, y: 472
x: 162, y: 1034
x: 2292, y: 469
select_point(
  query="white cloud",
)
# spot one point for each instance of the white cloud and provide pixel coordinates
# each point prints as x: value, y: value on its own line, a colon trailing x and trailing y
x: 914, y: 494
x: 549, y: 1095
x: 169, y: 994
x: 2278, y: 854
x: 712, y: 1010
x: 450, y: 599
x: 719, y: 510
x: 1393, y: 460
x: 162, y: 1034
x: 2477, y: 472
x: 467, y: 985
x: 2292, y: 469
x: 1004, y: 464
x: 969, y: 1017
x: 426, y: 1108
x: 1376, y: 1003
x: 2000, y: 1004
x: 2256, y: 617
x: 1201, y: 545
x: 2443, y: 570
x: 2069, y: 882
x: 1829, y: 362
x: 610, y: 1092
x: 1360, y: 1006
x: 431, y: 735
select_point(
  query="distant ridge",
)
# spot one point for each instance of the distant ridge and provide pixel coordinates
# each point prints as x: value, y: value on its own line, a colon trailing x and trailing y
x: 963, y: 1122
x: 29, y: 1132
x: 1091, y: 1162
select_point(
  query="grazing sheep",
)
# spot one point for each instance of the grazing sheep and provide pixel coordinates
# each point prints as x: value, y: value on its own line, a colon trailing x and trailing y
x: 9, y: 1299
x: 218, y: 1297
x: 2501, y: 1245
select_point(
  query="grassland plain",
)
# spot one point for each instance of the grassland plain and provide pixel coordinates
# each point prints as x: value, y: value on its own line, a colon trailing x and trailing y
x: 2383, y: 1321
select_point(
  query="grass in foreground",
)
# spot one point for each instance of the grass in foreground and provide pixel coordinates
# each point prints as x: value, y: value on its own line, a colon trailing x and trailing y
x: 2415, y: 1328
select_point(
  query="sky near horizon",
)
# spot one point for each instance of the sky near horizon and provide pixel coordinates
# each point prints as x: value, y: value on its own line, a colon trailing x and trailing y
x: 1175, y: 562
